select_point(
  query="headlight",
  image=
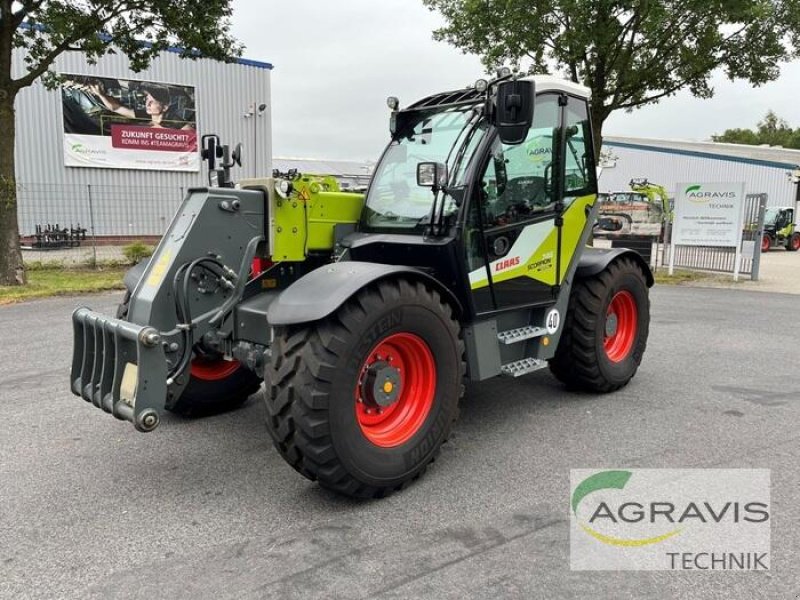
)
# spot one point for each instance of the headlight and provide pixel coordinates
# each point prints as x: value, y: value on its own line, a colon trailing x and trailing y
x: 283, y: 188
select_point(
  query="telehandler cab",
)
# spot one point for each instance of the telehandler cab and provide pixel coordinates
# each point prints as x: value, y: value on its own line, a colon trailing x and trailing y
x: 364, y: 316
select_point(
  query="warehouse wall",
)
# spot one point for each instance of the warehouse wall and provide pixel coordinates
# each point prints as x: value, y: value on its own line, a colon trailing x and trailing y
x: 51, y: 192
x: 671, y: 168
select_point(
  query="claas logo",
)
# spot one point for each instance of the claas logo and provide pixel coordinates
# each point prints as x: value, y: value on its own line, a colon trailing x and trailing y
x: 506, y: 263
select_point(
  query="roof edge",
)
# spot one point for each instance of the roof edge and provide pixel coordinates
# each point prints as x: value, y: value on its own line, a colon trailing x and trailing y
x: 247, y: 62
x: 700, y: 154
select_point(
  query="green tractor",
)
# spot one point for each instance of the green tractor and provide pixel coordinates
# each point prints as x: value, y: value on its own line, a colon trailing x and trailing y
x: 366, y: 316
x: 781, y: 229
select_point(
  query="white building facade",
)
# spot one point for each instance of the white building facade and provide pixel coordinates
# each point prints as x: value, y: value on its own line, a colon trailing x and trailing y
x: 232, y: 100
x: 669, y: 163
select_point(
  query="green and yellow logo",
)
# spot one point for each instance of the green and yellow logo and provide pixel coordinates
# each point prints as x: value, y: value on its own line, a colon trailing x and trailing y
x: 609, y: 480
x: 696, y: 194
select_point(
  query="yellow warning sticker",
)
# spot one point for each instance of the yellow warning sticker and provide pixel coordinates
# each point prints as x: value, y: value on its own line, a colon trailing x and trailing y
x: 160, y: 269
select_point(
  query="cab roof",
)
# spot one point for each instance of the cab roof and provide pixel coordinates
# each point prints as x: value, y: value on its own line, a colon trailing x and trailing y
x: 549, y: 83
x: 468, y: 96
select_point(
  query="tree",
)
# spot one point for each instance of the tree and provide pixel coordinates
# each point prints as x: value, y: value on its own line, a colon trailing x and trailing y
x: 772, y: 130
x: 44, y: 29
x: 628, y: 52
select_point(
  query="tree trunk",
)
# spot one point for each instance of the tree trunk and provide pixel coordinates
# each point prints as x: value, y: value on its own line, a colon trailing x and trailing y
x: 599, y: 116
x: 12, y: 271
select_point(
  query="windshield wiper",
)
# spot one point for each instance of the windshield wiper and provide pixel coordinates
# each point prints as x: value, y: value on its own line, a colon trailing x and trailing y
x: 437, y: 210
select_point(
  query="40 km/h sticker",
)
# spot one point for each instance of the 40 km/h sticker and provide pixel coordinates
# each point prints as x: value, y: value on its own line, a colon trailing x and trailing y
x: 553, y: 321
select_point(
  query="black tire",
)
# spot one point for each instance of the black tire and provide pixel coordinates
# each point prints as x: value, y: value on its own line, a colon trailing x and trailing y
x: 314, y: 374
x: 793, y: 243
x: 202, y: 397
x: 581, y: 361
x: 767, y: 243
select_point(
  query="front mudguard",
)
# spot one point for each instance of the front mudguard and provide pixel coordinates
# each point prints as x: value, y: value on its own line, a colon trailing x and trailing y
x: 135, y: 274
x: 322, y: 291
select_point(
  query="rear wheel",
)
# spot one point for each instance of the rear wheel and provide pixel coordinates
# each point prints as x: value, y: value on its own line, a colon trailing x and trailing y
x: 605, y: 330
x: 363, y: 400
x: 766, y: 243
x: 215, y: 385
x: 793, y: 243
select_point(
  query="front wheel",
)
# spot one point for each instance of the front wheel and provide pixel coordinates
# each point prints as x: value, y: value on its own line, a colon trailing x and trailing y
x: 215, y: 385
x: 766, y: 243
x: 363, y: 400
x: 605, y: 330
x: 793, y: 244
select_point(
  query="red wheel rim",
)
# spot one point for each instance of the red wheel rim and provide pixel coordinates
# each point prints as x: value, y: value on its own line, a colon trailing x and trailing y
x: 411, y: 359
x: 765, y: 243
x: 213, y: 370
x: 622, y: 322
x: 796, y: 242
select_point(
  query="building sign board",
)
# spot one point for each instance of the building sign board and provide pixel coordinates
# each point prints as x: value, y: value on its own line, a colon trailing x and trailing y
x: 129, y: 124
x: 709, y: 214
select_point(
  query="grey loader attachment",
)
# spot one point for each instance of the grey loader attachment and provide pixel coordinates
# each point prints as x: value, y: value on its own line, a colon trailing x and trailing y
x: 186, y: 294
x: 119, y: 367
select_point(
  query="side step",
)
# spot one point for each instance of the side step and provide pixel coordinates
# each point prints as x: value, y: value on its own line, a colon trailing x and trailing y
x: 523, y: 367
x: 512, y: 336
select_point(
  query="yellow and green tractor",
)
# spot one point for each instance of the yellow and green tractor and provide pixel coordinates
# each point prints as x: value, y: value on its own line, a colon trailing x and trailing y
x: 364, y: 316
x: 781, y: 228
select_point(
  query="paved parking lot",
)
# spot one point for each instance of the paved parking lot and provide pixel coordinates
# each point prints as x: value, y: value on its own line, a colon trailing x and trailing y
x: 206, y: 509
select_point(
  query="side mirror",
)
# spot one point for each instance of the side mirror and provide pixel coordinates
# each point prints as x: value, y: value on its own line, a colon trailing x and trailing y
x: 501, y: 174
x: 432, y: 175
x: 513, y: 110
x: 211, y: 150
x: 236, y: 157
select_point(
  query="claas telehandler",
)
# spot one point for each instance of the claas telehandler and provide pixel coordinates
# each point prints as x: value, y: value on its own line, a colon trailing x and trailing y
x: 364, y: 316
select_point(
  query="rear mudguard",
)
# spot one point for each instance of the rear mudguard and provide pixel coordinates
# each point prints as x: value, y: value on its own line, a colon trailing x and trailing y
x: 322, y: 291
x: 595, y: 260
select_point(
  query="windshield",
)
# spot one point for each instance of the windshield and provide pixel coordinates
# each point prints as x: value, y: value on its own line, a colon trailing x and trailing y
x: 771, y: 215
x: 395, y: 201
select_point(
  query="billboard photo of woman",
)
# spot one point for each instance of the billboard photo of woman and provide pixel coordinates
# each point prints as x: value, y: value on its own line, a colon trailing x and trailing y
x: 115, y: 123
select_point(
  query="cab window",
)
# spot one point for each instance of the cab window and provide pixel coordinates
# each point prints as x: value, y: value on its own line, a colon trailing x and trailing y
x: 578, y: 167
x: 515, y: 178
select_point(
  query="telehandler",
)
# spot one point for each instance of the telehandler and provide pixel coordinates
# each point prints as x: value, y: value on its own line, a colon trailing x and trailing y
x: 781, y: 228
x: 364, y: 316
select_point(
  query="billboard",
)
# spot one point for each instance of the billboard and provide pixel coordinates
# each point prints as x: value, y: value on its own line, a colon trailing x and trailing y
x: 709, y: 214
x: 129, y: 124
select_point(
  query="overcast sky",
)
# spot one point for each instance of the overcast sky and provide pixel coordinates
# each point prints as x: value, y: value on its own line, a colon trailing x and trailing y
x: 336, y: 62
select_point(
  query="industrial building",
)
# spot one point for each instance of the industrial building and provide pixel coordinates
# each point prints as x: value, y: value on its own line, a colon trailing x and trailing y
x: 351, y: 175
x: 670, y: 162
x: 114, y: 151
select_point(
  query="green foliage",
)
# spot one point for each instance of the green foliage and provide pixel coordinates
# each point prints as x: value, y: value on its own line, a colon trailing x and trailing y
x: 96, y: 27
x: 136, y: 251
x: 772, y: 130
x: 629, y: 52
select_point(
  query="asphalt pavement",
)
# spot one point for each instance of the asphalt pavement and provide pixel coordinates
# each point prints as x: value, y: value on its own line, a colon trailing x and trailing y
x: 90, y: 509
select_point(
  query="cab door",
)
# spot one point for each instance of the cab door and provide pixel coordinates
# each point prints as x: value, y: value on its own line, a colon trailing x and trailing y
x: 523, y: 207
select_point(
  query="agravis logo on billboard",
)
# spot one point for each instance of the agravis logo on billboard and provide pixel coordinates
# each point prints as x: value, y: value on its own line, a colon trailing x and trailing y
x: 129, y: 124
x: 709, y: 214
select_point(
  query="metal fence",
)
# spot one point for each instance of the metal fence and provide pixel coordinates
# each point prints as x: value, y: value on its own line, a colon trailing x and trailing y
x: 107, y: 211
x: 723, y: 260
x: 86, y: 223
